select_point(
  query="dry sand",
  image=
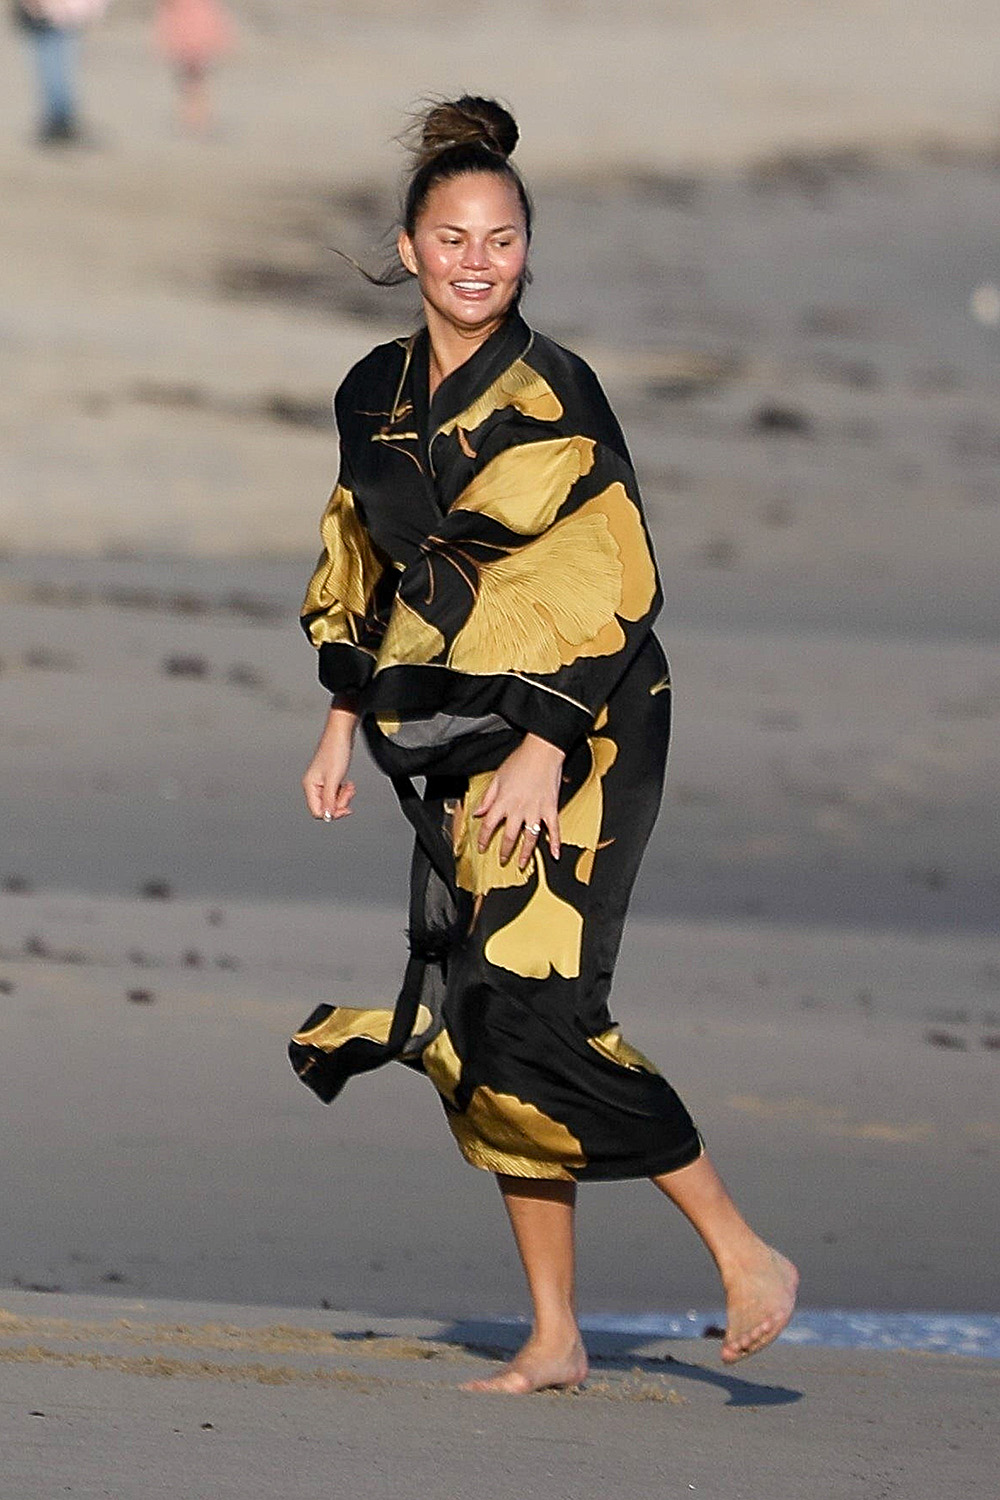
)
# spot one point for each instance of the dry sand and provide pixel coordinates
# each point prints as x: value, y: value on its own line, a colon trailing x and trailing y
x: 769, y: 254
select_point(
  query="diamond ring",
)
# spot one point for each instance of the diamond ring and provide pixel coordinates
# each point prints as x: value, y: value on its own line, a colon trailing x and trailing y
x: 534, y: 828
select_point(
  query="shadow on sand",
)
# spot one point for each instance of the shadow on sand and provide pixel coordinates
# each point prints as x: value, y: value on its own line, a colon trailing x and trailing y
x: 611, y: 1351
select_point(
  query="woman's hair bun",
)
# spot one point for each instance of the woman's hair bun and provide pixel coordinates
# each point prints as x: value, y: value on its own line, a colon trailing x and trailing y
x: 468, y: 121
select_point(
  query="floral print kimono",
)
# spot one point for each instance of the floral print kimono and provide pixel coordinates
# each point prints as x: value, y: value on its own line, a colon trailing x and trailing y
x: 486, y: 571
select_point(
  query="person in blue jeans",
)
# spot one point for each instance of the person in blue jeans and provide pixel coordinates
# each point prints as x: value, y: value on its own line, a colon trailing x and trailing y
x: 53, y: 29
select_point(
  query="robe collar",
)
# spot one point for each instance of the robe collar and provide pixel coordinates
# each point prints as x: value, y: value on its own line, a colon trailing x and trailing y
x: 468, y: 382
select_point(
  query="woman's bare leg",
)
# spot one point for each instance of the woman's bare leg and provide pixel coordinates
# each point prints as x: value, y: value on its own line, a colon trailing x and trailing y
x: 196, y: 111
x: 541, y: 1213
x: 760, y: 1284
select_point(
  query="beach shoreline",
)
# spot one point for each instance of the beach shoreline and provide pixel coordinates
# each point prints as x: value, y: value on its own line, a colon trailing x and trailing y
x: 239, y: 1401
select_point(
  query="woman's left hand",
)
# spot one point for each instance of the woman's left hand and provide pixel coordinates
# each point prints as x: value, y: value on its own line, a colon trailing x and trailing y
x: 524, y: 794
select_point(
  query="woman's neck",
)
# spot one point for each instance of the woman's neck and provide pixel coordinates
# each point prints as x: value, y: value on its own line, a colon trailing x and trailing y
x: 450, y: 347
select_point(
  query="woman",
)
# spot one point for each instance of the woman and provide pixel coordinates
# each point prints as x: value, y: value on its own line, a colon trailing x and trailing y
x: 483, y: 608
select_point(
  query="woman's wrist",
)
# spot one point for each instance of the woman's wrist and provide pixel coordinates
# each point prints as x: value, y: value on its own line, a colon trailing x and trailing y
x: 342, y: 720
x: 544, y: 749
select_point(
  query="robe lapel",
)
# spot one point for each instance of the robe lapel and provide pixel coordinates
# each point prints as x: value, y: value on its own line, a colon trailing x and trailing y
x: 464, y: 385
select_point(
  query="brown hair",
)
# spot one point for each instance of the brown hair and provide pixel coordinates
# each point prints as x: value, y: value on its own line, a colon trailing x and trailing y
x: 451, y: 138
x: 455, y: 136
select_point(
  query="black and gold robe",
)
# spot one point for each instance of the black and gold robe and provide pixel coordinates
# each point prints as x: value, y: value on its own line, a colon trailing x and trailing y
x: 486, y: 571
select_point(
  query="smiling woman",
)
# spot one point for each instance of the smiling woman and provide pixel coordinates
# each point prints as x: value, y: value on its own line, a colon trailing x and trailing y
x: 468, y: 252
x: 483, y: 607
x: 466, y: 225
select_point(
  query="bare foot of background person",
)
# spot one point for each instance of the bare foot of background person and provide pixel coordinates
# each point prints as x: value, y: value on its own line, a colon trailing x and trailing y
x: 536, y: 1368
x: 760, y: 1299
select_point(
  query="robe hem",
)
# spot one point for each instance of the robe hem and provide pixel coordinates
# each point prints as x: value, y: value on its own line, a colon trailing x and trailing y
x: 488, y: 1160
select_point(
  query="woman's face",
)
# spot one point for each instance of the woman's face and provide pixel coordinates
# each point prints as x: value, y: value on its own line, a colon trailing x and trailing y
x: 468, y: 252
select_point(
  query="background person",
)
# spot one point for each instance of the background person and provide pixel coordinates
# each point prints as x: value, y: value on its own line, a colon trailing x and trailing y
x: 193, y: 35
x: 53, y: 29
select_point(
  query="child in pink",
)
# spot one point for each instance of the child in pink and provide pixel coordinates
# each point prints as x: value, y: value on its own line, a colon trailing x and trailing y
x: 192, y: 35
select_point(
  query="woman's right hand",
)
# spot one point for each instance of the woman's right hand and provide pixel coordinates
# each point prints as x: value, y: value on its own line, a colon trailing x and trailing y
x: 328, y: 792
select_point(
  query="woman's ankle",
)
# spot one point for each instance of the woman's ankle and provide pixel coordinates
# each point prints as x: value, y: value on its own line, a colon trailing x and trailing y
x: 555, y: 1331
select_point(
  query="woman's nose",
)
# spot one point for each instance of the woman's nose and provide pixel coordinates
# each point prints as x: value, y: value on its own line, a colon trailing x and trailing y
x: 476, y: 256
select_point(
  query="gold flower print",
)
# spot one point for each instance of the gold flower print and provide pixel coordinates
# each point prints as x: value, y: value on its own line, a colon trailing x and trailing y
x: 612, y: 1045
x: 503, y: 1133
x: 478, y: 870
x: 524, y: 487
x: 538, y: 607
x: 345, y: 1022
x: 580, y: 820
x: 546, y: 935
x: 585, y: 862
x: 408, y: 638
x: 442, y: 1064
x: 625, y: 525
x: 520, y: 387
x: 348, y: 570
x: 557, y: 598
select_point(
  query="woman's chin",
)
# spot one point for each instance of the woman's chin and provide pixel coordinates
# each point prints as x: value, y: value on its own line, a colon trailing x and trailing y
x: 480, y: 319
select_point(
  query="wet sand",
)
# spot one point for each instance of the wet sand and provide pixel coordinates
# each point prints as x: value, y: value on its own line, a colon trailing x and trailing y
x: 148, y: 1399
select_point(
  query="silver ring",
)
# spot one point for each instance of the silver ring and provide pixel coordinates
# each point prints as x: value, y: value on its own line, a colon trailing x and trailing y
x: 328, y: 816
x: 534, y: 828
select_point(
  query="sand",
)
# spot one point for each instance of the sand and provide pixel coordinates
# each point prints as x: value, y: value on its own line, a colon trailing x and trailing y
x: 768, y: 236
x: 138, y: 1399
x: 846, y: 1083
x: 774, y: 234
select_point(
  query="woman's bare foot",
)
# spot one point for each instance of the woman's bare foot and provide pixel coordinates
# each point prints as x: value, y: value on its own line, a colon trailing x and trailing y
x: 537, y: 1367
x: 760, y: 1299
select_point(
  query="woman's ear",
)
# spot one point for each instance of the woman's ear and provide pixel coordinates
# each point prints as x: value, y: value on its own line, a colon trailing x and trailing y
x: 404, y: 249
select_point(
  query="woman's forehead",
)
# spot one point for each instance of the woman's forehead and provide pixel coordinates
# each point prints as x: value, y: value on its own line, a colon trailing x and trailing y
x: 474, y: 198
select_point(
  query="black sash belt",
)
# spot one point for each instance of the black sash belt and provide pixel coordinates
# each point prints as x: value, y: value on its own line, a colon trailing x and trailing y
x: 428, y: 829
x: 326, y: 1071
